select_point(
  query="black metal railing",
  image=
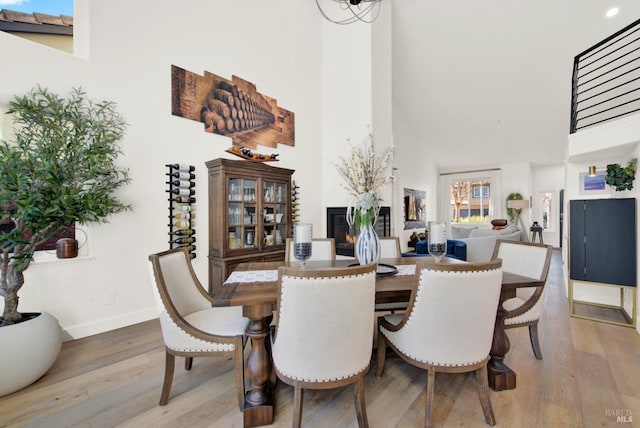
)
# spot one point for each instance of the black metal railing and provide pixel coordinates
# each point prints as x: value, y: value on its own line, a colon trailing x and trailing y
x: 606, y: 79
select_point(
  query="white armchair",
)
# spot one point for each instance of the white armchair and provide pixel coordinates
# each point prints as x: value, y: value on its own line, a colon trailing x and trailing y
x: 323, y: 336
x: 448, y: 326
x: 190, y: 326
x: 532, y: 260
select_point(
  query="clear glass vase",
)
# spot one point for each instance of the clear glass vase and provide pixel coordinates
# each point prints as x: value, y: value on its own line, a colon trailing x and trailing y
x: 437, y: 240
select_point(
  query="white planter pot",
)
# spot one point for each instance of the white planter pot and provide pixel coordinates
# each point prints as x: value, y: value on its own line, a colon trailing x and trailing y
x: 27, y: 350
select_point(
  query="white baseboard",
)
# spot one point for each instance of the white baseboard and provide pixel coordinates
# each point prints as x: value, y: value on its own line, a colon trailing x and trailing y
x: 106, y: 324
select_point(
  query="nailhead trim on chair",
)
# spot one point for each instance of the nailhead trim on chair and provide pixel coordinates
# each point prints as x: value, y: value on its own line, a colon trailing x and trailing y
x: 224, y: 347
x: 409, y: 320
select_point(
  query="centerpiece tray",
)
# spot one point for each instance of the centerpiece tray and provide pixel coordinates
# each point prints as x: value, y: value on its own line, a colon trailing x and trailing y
x: 383, y: 269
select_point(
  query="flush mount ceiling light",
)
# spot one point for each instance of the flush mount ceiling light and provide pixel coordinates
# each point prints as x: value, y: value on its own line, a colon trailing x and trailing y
x: 612, y: 12
x: 349, y: 11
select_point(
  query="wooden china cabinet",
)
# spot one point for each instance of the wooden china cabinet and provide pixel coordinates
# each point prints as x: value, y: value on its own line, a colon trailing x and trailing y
x: 249, y: 215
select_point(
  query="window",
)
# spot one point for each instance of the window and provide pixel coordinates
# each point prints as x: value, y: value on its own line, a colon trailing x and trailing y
x: 481, y: 191
x: 51, y: 24
x: 546, y: 199
x: 468, y: 197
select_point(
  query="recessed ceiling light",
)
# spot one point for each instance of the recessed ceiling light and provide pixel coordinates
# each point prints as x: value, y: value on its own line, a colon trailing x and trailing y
x: 612, y: 12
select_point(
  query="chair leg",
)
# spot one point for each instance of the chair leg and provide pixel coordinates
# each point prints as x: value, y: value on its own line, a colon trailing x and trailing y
x: 298, y: 395
x: 428, y: 414
x: 535, y: 342
x: 483, y: 393
x: 382, y: 351
x: 169, y: 365
x: 361, y: 405
x: 188, y: 363
x: 239, y: 374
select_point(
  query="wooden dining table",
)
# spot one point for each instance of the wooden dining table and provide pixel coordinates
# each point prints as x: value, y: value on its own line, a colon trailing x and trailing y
x: 257, y: 294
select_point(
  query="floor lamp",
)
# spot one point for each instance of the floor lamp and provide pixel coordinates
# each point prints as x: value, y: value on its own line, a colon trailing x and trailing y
x: 519, y: 205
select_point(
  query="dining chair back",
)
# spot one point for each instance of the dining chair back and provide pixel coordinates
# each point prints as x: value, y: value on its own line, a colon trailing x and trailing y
x: 532, y: 260
x: 322, y: 338
x: 190, y: 326
x: 389, y: 247
x: 321, y: 249
x: 448, y: 326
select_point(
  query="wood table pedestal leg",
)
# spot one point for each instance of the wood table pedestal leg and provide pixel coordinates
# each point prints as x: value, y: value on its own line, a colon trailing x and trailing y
x: 258, y: 406
x: 501, y: 377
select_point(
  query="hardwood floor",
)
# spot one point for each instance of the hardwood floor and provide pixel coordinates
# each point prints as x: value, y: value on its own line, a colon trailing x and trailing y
x: 589, y: 375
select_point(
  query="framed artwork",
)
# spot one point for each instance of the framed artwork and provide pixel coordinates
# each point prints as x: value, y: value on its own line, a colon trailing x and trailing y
x: 593, y: 185
x: 415, y: 211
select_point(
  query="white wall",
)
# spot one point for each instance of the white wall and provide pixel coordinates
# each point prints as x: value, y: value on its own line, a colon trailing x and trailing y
x: 276, y: 45
x: 415, y: 170
x: 346, y: 103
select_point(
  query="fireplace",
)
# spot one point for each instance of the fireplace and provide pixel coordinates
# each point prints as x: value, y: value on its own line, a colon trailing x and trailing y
x: 345, y: 236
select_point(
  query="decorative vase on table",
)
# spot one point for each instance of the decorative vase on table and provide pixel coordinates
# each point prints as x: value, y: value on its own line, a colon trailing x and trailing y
x: 367, y: 248
x: 368, y: 245
x: 364, y: 176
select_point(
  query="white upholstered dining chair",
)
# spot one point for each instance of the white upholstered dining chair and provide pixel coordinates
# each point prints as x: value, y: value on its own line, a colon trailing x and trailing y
x: 190, y: 326
x: 322, y: 338
x: 448, y: 326
x: 532, y: 260
x: 321, y: 249
x: 390, y: 247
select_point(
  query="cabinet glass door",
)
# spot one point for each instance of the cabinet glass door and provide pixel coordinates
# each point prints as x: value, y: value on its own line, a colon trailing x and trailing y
x: 274, y: 213
x: 241, y: 218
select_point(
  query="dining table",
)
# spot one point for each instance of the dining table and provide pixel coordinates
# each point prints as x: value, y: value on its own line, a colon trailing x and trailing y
x: 254, y: 286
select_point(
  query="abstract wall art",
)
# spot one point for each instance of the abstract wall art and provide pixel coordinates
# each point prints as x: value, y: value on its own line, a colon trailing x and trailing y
x: 415, y: 210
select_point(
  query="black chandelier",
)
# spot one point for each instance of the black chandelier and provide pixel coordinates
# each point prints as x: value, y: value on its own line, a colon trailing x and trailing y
x: 351, y: 11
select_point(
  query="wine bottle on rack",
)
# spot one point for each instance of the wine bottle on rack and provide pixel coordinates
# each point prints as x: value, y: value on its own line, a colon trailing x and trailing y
x: 182, y: 191
x: 183, y: 216
x: 182, y: 175
x: 182, y: 208
x: 183, y: 240
x: 182, y: 224
x: 182, y: 183
x: 182, y: 232
x: 184, y: 200
x: 183, y: 167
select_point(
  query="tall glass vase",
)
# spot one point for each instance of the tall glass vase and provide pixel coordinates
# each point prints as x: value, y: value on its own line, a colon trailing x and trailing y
x: 367, y: 248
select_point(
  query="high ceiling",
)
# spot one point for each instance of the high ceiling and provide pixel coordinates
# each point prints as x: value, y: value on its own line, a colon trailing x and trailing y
x: 489, y: 82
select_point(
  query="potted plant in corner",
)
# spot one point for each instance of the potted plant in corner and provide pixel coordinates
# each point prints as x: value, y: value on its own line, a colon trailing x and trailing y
x: 58, y: 169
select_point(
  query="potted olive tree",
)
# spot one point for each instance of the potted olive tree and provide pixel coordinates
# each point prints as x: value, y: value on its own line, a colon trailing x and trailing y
x: 58, y: 169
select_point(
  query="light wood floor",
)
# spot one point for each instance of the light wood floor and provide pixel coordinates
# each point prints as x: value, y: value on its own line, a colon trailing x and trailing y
x: 590, y: 371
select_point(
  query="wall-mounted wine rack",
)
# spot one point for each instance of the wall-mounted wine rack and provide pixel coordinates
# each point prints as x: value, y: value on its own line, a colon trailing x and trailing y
x: 181, y: 181
x: 295, y: 202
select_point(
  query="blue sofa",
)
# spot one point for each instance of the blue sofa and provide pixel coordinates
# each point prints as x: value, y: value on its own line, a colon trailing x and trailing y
x: 455, y: 249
